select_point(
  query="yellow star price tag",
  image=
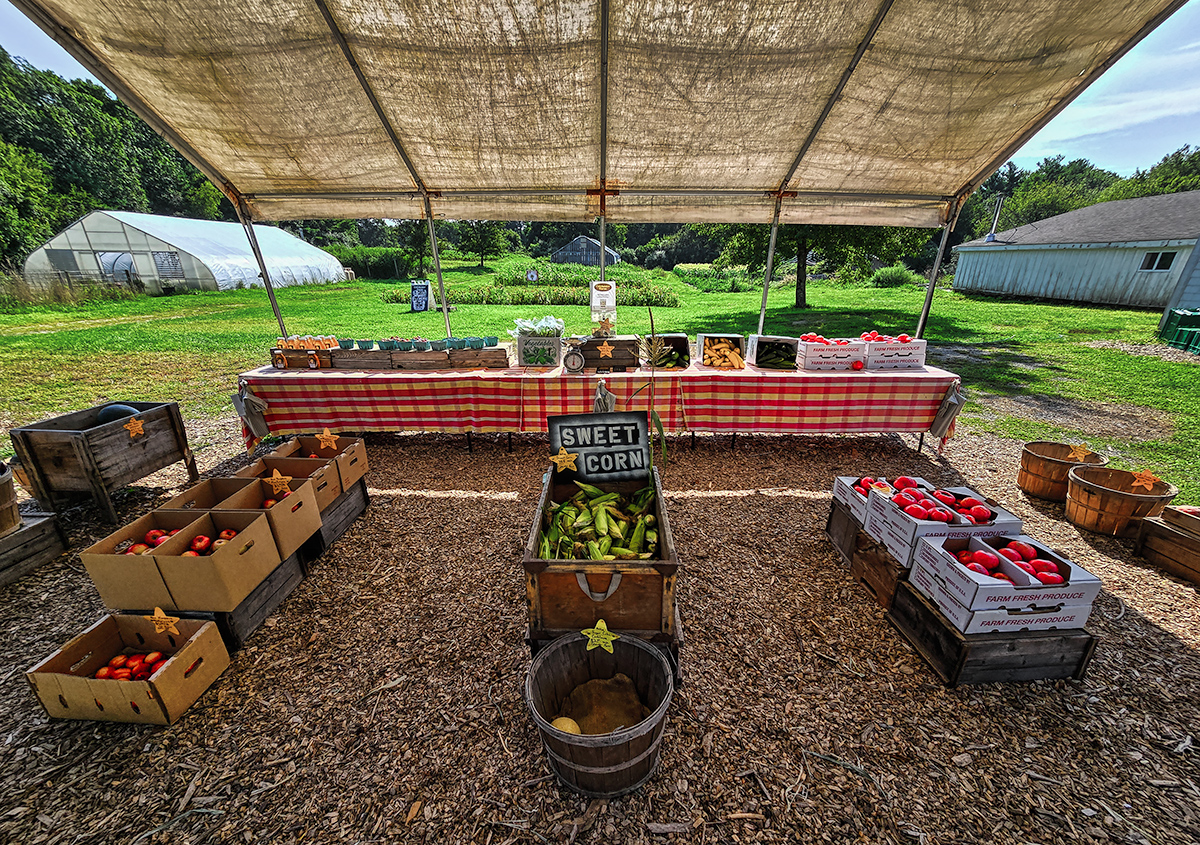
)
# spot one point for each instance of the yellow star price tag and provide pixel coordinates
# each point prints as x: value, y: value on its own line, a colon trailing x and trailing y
x: 134, y: 427
x: 605, y: 349
x: 1146, y: 479
x: 606, y: 325
x: 328, y: 440
x: 600, y: 636
x: 1079, y: 451
x: 162, y: 622
x: 564, y: 459
x: 279, y: 483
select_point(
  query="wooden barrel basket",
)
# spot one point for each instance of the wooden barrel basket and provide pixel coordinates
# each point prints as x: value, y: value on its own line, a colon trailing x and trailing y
x: 600, y: 765
x: 1103, y: 500
x: 10, y: 517
x: 1044, y: 468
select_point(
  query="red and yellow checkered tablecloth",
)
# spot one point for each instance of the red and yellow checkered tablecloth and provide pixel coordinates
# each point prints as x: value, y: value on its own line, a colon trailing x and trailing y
x: 700, y: 399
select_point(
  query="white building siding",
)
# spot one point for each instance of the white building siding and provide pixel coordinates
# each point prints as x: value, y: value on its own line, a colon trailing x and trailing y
x: 1106, y: 274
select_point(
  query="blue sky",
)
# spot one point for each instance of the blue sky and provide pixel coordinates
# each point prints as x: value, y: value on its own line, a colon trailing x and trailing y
x: 1143, y: 108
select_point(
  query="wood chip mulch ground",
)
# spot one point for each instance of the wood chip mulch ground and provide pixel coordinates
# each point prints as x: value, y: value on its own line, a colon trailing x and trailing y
x: 383, y: 701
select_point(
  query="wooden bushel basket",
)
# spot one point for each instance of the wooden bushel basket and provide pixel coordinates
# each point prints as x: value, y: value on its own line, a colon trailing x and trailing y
x: 10, y: 517
x: 1044, y: 468
x: 1103, y: 500
x: 600, y: 765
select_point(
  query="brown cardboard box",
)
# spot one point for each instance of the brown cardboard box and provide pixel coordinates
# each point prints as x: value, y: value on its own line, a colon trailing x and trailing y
x: 134, y: 581
x: 220, y: 580
x: 206, y: 495
x: 350, y: 454
x: 326, y: 483
x: 64, y: 684
x: 293, y: 519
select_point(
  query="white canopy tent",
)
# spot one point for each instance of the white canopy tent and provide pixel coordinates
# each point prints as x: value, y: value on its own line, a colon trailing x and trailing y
x: 884, y: 112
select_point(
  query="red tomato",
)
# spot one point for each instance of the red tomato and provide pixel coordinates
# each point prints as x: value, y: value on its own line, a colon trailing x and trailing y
x: 1025, y: 550
x: 1050, y: 578
x: 916, y: 512
x: 969, y: 502
x: 1042, y: 565
x: 153, y: 657
x: 977, y: 568
x: 944, y: 497
x: 121, y: 674
x: 986, y: 559
x: 856, y: 365
x: 968, y: 517
x: 117, y: 662
x: 158, y: 665
x: 966, y: 556
x: 142, y: 674
x: 1011, y: 554
x: 904, y: 483
x: 103, y: 672
x: 1000, y: 575
x: 860, y: 491
x: 1026, y: 565
x: 981, y: 513
x: 134, y: 662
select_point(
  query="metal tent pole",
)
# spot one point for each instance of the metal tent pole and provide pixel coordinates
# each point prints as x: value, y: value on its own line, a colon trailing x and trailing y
x: 603, y: 254
x: 762, y: 314
x: 243, y: 213
x: 437, y: 266
x: 937, y: 263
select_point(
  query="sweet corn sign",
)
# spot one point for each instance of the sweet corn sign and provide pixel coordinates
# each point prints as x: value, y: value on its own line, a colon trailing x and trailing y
x: 600, y: 447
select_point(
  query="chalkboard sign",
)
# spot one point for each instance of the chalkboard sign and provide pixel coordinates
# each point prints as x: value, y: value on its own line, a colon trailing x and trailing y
x: 600, y: 447
x: 420, y: 296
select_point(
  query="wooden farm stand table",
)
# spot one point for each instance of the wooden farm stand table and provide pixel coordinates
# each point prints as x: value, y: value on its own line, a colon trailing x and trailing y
x: 696, y: 399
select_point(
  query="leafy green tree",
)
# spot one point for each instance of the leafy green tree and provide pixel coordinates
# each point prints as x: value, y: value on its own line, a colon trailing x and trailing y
x: 27, y: 201
x: 849, y: 248
x: 1179, y: 171
x: 483, y: 238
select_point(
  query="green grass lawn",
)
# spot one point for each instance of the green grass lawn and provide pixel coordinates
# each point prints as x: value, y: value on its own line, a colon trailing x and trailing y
x: 191, y: 348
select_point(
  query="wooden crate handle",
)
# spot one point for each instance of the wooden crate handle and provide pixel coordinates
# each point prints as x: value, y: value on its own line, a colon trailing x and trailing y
x: 613, y: 582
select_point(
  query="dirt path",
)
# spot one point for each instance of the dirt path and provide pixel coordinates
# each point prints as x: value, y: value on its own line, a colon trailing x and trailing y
x: 791, y: 672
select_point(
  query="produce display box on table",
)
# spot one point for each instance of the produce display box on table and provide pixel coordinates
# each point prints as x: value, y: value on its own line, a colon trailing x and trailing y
x: 721, y: 351
x: 167, y: 578
x: 71, y: 458
x: 895, y: 355
x: 361, y: 359
x: 1172, y: 543
x: 490, y: 358
x: 974, y: 602
x: 772, y: 353
x: 677, y: 351
x: 994, y: 657
x: 618, y: 353
x: 899, y: 531
x: 838, y: 354
x: 301, y: 359
x: 428, y: 360
x: 844, y: 492
x: 539, y: 350
x: 66, y: 688
x: 37, y: 539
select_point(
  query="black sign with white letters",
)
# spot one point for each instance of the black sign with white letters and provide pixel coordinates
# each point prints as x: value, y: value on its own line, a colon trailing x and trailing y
x: 600, y: 447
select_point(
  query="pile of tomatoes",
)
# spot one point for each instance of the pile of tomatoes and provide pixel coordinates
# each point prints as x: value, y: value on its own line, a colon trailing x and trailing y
x: 1022, y: 555
x: 132, y: 667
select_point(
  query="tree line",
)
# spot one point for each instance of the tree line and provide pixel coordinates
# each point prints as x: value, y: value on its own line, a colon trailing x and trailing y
x: 68, y: 147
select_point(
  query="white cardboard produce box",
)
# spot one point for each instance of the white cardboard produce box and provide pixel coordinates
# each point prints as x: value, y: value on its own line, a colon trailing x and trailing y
x: 754, y: 343
x: 843, y: 491
x: 979, y: 592
x: 881, y: 355
x: 997, y: 619
x: 900, y: 532
x: 832, y: 356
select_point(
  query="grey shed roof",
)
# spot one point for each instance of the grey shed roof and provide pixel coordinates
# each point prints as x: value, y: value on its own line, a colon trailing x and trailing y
x: 575, y: 243
x: 1166, y: 217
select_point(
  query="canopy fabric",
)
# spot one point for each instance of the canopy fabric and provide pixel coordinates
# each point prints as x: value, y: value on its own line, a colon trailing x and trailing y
x: 885, y: 113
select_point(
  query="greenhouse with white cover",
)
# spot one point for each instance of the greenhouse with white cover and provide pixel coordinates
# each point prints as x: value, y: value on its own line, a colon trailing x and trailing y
x: 169, y: 254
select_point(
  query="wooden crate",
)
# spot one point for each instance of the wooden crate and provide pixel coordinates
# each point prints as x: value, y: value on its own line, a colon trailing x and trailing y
x: 38, y: 540
x: 71, y: 458
x: 300, y: 359
x: 841, y: 528
x: 492, y: 358
x: 432, y: 360
x: 622, y: 357
x: 361, y: 359
x: 236, y: 626
x: 997, y: 657
x: 1170, y: 548
x: 1189, y: 522
x: 873, y: 566
x: 641, y: 602
x: 336, y: 519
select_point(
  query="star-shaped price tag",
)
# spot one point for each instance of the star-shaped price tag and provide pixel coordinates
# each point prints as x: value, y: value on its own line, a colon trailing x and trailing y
x: 1146, y: 479
x: 564, y: 459
x: 605, y: 349
x: 600, y: 637
x: 606, y: 325
x: 1079, y: 451
x: 162, y: 622
x: 328, y: 440
x: 279, y: 483
x: 134, y: 427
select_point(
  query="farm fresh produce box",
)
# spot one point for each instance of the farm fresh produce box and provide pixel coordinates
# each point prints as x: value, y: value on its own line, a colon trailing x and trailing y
x: 916, y: 510
x: 852, y: 491
x: 840, y: 353
x: 71, y: 683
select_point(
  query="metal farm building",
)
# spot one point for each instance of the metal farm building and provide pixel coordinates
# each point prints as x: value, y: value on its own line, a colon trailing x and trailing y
x: 584, y: 250
x: 1137, y: 252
